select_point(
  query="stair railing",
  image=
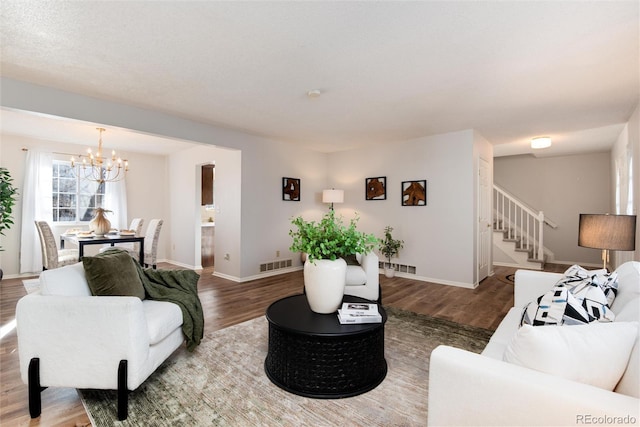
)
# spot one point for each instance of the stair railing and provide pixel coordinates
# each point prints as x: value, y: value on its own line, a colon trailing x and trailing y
x: 519, y: 222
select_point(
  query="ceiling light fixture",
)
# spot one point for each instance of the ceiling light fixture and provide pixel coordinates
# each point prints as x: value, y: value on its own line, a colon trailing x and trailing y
x: 96, y: 168
x: 314, y: 93
x: 540, y: 142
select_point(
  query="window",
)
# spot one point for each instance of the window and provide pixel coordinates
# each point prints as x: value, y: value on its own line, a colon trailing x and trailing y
x: 74, y: 199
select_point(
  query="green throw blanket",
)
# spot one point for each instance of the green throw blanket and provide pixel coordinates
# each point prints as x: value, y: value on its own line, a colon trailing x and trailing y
x: 179, y: 287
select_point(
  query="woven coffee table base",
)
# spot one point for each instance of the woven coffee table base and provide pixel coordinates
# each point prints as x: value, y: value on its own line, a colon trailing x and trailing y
x: 326, y: 367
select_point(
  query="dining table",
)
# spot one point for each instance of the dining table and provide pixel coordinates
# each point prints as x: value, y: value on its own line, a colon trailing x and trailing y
x: 110, y: 239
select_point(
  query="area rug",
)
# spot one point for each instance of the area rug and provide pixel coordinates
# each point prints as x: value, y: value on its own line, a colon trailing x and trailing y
x: 223, y: 382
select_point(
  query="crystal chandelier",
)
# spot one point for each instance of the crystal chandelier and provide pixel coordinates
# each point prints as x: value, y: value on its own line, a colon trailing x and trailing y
x: 96, y: 168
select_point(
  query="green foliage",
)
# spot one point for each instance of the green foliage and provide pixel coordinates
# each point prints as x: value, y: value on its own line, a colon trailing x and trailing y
x: 330, y: 238
x: 390, y: 246
x: 7, y: 199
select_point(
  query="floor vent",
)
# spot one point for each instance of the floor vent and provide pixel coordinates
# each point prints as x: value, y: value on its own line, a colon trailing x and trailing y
x: 400, y: 268
x: 275, y: 265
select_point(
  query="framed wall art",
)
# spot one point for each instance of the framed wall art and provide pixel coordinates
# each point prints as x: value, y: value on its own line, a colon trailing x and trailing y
x: 414, y: 193
x: 291, y: 189
x: 376, y: 188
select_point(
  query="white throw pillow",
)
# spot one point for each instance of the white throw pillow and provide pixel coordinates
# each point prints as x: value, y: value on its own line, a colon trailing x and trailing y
x: 65, y: 281
x: 595, y: 354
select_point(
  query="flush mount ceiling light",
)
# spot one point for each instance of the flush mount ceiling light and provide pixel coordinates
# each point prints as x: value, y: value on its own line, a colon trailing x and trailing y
x: 541, y: 142
x: 314, y: 93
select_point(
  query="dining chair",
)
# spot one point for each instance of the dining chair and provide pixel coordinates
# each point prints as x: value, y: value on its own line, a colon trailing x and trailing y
x: 150, y: 244
x: 52, y: 257
x: 136, y: 225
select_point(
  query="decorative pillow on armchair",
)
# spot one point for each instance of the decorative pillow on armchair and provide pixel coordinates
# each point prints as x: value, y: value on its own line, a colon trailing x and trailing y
x: 113, y: 273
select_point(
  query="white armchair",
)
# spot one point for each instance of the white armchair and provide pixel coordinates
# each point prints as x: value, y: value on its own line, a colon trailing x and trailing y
x: 68, y: 338
x: 363, y: 280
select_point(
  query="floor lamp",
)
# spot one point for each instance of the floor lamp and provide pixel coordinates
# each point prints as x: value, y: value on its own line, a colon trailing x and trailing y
x: 607, y: 232
x: 332, y: 196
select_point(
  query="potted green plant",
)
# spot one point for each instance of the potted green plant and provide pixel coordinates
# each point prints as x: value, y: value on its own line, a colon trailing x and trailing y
x: 325, y: 243
x: 389, y: 248
x: 8, y: 195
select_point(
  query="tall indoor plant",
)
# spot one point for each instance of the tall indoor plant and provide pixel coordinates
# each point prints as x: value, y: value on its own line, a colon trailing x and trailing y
x: 325, y: 243
x: 8, y: 194
x: 390, y: 247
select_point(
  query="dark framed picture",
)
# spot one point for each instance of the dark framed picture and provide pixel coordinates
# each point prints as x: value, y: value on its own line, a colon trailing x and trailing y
x: 376, y: 188
x: 414, y: 193
x: 291, y: 189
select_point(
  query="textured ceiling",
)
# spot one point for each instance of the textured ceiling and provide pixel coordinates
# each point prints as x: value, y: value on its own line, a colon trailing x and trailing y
x: 388, y: 71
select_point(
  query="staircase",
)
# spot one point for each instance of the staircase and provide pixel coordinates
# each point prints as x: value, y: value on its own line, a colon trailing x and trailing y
x: 518, y: 232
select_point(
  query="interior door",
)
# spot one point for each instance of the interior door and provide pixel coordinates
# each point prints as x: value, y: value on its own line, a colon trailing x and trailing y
x: 484, y: 220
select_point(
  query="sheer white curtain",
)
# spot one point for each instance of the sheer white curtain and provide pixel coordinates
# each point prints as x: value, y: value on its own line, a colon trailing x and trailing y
x: 37, y: 204
x: 115, y: 200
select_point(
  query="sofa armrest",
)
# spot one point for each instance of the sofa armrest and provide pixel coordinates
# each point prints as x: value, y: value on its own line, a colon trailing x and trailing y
x: 530, y: 284
x: 369, y: 263
x: 470, y: 389
x: 80, y: 340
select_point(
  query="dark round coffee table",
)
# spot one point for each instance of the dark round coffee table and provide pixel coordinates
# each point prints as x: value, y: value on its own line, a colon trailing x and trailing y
x: 313, y: 355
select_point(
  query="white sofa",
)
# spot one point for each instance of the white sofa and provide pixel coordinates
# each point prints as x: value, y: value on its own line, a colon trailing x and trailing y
x: 68, y: 338
x: 482, y: 390
x: 363, y: 280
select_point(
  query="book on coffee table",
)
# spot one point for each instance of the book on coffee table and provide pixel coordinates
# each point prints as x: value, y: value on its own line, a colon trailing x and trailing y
x: 346, y: 318
x: 361, y: 309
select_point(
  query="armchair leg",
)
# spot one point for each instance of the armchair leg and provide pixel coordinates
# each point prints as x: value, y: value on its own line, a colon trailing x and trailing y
x: 123, y: 392
x: 35, y: 402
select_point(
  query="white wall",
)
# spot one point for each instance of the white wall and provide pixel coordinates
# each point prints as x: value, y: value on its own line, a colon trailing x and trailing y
x: 562, y: 187
x: 147, y: 172
x: 440, y: 237
x: 626, y: 150
x: 266, y: 218
x: 184, y: 188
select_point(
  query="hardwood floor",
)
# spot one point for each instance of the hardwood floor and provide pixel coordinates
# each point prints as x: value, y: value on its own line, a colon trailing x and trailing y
x: 227, y: 303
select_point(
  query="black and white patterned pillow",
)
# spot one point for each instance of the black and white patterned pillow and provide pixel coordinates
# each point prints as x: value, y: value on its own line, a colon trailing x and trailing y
x: 556, y: 307
x: 580, y: 297
x: 595, y: 289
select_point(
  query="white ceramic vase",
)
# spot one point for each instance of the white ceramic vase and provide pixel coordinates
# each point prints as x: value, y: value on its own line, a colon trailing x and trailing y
x: 324, y: 282
x: 100, y: 225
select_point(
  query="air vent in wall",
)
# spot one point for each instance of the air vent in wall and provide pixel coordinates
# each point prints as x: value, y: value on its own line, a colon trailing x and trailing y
x: 275, y: 265
x: 400, y: 268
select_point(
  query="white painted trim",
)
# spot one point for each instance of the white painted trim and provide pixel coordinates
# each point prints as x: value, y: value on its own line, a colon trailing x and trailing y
x: 432, y: 280
x: 179, y: 264
x: 271, y: 273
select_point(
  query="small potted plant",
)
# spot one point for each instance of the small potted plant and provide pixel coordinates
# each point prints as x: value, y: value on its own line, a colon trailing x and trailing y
x: 325, y: 243
x: 8, y: 195
x: 389, y: 248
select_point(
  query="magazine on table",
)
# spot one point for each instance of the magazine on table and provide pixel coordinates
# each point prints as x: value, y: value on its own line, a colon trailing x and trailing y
x: 346, y: 318
x: 361, y: 309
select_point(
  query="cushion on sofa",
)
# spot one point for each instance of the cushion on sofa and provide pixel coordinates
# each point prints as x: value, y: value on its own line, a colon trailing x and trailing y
x: 113, y: 273
x: 628, y: 285
x: 556, y: 307
x: 162, y: 318
x: 356, y: 275
x: 69, y: 280
x: 580, y: 296
x: 595, y: 354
